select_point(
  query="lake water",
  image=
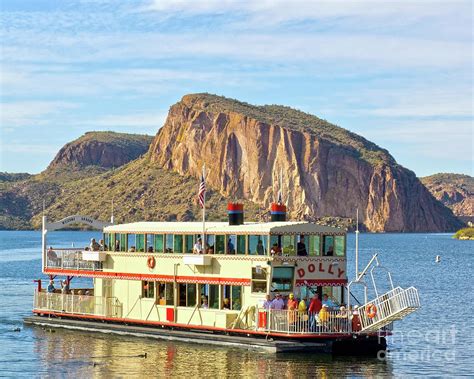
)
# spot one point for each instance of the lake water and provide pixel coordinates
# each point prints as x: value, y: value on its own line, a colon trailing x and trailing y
x: 438, y: 340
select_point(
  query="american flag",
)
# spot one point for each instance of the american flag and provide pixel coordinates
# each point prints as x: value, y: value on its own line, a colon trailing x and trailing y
x: 202, y: 191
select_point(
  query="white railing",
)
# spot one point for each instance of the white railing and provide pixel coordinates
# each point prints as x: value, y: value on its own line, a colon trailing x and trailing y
x: 77, y: 304
x: 291, y: 322
x: 391, y: 306
x: 70, y: 259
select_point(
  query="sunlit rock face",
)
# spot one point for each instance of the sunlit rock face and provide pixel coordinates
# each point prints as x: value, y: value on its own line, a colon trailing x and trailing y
x: 326, y: 170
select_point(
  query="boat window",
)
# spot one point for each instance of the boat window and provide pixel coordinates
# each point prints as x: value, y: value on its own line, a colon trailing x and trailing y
x: 120, y: 242
x: 187, y: 294
x: 158, y: 243
x: 169, y: 243
x: 188, y: 244
x: 106, y: 241
x: 178, y: 243
x: 282, y: 279
x: 166, y: 293
x: 302, y: 245
x: 240, y: 244
x: 111, y: 242
x: 148, y: 289
x: 236, y: 300
x: 275, y: 245
x: 149, y: 242
x: 140, y: 242
x: 340, y: 246
x: 328, y: 246
x: 209, y: 244
x: 288, y: 245
x: 314, y: 245
x: 257, y: 245
x: 220, y: 244
x: 259, y: 279
x: 231, y: 297
x: 211, y: 293
x: 231, y: 242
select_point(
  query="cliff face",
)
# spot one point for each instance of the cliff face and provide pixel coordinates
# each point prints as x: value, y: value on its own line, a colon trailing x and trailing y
x: 327, y: 171
x: 455, y: 191
x: 102, y: 149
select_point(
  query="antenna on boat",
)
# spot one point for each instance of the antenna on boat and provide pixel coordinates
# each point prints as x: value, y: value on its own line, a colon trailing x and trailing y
x: 44, y: 207
x: 357, y: 246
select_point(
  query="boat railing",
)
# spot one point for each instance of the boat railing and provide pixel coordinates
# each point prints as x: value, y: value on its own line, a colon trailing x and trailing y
x: 71, y: 259
x: 77, y: 304
x: 304, y: 322
x: 391, y: 306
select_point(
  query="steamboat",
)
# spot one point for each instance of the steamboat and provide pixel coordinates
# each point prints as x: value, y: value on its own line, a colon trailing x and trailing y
x: 229, y: 283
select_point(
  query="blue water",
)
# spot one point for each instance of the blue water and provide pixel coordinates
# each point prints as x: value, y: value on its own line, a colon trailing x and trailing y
x: 435, y: 341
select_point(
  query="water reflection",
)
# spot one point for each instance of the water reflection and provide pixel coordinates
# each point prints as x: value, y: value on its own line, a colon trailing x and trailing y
x: 98, y: 355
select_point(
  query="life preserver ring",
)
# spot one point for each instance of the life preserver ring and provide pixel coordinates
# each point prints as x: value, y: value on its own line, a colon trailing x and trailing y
x: 150, y: 262
x: 371, y: 310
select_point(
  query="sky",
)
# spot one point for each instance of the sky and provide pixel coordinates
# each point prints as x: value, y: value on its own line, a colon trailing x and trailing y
x: 398, y: 73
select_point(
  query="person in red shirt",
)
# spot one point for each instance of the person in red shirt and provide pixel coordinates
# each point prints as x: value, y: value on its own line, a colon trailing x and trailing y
x: 314, y: 307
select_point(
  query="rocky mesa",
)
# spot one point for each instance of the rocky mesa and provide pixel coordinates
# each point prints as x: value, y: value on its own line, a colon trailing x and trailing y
x: 327, y: 170
x: 456, y: 191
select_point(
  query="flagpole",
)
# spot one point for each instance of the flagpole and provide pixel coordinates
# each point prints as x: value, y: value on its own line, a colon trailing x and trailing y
x: 204, y: 213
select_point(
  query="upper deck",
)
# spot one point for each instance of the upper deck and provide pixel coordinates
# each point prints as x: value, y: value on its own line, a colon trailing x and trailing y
x: 316, y: 253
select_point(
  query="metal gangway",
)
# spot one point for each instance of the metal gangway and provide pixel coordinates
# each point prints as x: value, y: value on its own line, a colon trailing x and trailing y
x: 391, y: 306
x: 386, y: 308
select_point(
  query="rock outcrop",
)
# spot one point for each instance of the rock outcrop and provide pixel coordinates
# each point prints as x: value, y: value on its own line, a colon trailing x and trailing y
x: 456, y: 191
x: 327, y: 171
x: 102, y: 149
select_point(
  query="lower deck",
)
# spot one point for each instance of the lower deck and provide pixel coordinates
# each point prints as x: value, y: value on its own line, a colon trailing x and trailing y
x: 326, y: 344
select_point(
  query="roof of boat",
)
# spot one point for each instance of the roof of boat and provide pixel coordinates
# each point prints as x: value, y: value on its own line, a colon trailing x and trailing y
x: 287, y: 227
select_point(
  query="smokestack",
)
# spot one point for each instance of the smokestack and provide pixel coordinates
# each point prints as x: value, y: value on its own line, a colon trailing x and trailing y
x: 236, y: 213
x: 278, y: 212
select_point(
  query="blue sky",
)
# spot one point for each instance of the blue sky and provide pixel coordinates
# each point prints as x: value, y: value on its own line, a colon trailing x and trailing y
x: 398, y: 73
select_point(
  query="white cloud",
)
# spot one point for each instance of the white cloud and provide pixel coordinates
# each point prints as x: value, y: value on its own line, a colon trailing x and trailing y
x: 22, y: 113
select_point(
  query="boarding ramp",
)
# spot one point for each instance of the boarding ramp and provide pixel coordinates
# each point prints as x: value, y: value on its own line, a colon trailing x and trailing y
x: 391, y: 306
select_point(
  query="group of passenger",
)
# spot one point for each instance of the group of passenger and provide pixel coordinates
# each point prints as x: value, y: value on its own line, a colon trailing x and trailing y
x: 314, y: 311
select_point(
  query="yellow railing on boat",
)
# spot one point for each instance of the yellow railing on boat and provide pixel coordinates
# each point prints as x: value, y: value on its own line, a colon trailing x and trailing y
x: 78, y: 304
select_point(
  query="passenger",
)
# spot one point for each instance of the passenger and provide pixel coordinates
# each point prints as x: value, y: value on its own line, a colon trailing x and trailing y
x: 330, y: 251
x: 226, y: 304
x: 133, y: 249
x: 268, y: 302
x: 314, y: 307
x: 324, y: 314
x: 197, y: 249
x: 150, y: 249
x: 94, y: 246
x: 117, y: 245
x: 356, y: 325
x: 52, y: 256
x: 102, y: 246
x: 327, y: 301
x: 276, y: 250
x: 51, y: 286
x: 292, y: 303
x: 301, y: 247
x: 230, y: 247
x: 260, y: 247
x: 64, y: 287
x: 204, y: 304
x: 278, y: 303
x: 302, y: 306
